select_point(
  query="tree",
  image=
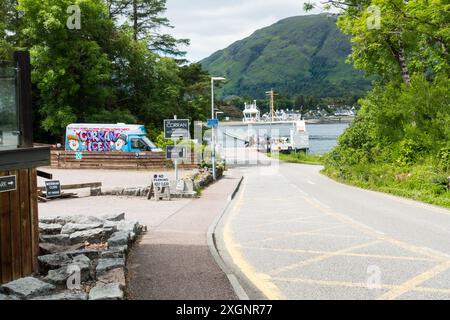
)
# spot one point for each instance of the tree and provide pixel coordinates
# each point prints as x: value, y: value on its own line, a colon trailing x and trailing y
x: 69, y: 68
x: 146, y: 20
x: 413, y: 36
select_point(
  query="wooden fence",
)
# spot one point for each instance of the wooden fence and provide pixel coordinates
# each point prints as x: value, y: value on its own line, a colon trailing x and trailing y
x: 116, y: 160
x: 19, y: 238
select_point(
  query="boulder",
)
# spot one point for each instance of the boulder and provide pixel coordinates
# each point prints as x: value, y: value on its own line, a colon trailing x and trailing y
x: 114, y: 217
x: 53, y: 261
x: 49, y: 229
x: 108, y: 291
x: 91, y: 236
x: 26, y: 288
x: 105, y: 265
x: 129, y: 226
x: 111, y: 225
x: 113, y: 253
x: 59, y: 239
x: 119, y: 238
x: 64, y: 296
x: 4, y: 297
x: 92, y: 254
x: 70, y: 228
x: 80, y: 219
x: 60, y: 276
x: 114, y: 276
x: 108, y: 232
x: 50, y: 248
x: 53, y: 220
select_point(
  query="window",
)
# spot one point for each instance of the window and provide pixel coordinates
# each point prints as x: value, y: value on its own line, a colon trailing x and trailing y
x: 9, y: 127
x: 138, y: 144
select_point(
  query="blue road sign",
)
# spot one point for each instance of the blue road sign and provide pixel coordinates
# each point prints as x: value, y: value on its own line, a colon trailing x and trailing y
x: 213, y: 122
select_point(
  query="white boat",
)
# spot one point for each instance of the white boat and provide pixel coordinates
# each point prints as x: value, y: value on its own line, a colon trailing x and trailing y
x: 297, y: 140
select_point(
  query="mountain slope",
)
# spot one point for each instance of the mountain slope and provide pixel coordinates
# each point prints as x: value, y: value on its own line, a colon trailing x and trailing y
x: 302, y: 55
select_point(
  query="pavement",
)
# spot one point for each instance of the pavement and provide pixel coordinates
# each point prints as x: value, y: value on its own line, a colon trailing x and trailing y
x: 173, y: 260
x: 292, y: 233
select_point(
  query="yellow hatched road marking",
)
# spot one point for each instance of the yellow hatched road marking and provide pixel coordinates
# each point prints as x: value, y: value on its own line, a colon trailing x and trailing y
x: 332, y: 283
x: 416, y: 281
x: 285, y: 236
x: 322, y: 257
x: 260, y: 280
x: 346, y: 254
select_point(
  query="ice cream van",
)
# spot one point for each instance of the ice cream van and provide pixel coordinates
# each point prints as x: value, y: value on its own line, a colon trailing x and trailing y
x: 108, y: 137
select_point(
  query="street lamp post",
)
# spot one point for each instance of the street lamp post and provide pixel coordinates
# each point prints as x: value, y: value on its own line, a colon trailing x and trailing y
x: 213, y: 144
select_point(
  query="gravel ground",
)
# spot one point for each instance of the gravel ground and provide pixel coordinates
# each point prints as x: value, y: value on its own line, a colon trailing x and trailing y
x: 109, y: 178
x: 150, y: 213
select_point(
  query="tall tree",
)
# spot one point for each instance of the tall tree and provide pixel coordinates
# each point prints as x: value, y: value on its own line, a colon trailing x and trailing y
x: 146, y: 19
x: 412, y: 36
x: 69, y: 68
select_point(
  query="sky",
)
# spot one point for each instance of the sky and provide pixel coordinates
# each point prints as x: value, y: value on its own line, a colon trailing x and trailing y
x: 213, y: 25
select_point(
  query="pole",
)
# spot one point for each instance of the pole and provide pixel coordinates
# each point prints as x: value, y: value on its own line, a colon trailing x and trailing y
x: 213, y: 145
x: 176, y: 160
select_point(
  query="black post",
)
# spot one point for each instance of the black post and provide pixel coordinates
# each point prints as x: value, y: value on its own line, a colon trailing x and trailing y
x: 22, y: 60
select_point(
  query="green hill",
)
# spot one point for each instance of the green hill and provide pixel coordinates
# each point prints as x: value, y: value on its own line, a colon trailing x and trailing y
x: 302, y: 55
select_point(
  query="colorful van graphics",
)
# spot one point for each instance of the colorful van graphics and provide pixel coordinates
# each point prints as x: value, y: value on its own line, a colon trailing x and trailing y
x: 108, y: 137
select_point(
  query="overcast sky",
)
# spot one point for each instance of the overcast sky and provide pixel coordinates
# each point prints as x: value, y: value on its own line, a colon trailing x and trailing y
x: 212, y: 25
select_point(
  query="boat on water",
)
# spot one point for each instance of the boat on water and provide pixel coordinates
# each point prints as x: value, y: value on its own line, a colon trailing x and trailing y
x: 278, y: 130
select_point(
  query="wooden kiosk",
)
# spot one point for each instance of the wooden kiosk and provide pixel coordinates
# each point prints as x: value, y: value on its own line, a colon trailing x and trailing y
x: 19, y: 232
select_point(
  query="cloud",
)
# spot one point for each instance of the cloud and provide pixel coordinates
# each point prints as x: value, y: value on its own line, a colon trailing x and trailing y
x: 212, y: 25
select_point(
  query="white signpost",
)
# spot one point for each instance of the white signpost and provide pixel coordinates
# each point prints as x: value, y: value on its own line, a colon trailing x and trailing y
x: 176, y: 129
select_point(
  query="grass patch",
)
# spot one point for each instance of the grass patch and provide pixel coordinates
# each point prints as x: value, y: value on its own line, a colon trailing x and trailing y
x: 301, y: 157
x: 419, y: 182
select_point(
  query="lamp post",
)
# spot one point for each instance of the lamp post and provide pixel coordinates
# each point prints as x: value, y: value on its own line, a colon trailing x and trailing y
x: 213, y: 144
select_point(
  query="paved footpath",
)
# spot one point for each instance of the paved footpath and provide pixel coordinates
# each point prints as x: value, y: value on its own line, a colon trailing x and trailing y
x: 173, y: 260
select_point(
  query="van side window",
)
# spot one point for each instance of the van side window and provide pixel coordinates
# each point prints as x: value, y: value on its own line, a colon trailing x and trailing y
x: 138, y: 144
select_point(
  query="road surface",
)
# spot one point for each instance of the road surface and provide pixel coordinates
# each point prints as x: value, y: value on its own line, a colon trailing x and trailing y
x: 292, y: 233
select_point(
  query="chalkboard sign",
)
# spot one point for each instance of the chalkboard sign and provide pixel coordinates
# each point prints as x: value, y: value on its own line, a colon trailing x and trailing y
x: 176, y: 129
x: 8, y: 183
x: 53, y: 189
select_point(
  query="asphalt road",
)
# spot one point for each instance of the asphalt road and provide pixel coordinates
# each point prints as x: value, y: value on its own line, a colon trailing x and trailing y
x: 292, y: 233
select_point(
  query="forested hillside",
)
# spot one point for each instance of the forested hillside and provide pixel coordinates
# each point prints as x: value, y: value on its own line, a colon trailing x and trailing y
x: 304, y: 55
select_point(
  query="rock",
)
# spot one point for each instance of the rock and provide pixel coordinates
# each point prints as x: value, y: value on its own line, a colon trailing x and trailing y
x: 108, y: 232
x: 135, y: 192
x: 53, y: 261
x: 105, y: 265
x: 50, y: 248
x: 92, y: 254
x: 111, y: 225
x: 60, y: 276
x: 114, y: 276
x: 114, y: 217
x: 130, y: 226
x: 49, y: 229
x: 59, y: 239
x: 4, y: 297
x: 120, y: 238
x: 64, y: 296
x: 91, y: 236
x: 70, y: 228
x: 29, y: 287
x: 53, y: 220
x: 109, y: 291
x: 79, y: 219
x: 114, y: 253
x: 95, y: 192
